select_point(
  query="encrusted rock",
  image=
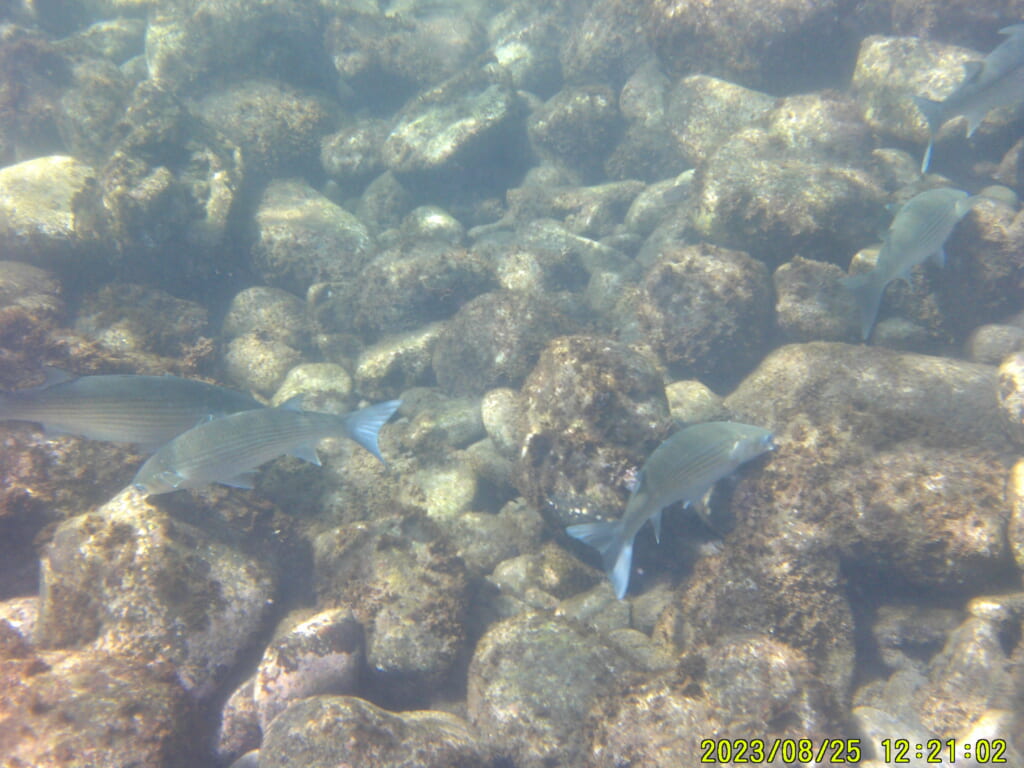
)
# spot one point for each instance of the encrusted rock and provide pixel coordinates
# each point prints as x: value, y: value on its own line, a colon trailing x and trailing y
x: 811, y: 304
x: 270, y: 312
x: 576, y: 127
x: 323, y: 387
x: 254, y: 362
x: 397, y: 363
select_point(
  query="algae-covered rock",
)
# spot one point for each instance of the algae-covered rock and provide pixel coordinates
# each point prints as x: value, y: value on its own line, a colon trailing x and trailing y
x: 1011, y: 396
x: 606, y: 44
x: 131, y: 580
x: 328, y: 731
x: 576, y: 128
x: 524, y: 40
x: 992, y: 343
x: 323, y: 387
x: 810, y: 303
x: 303, y: 238
x: 397, y: 363
x: 706, y: 311
x: 92, y: 708
x: 277, y: 126
x: 91, y: 108
x: 31, y: 305
x: 403, y: 584
x: 352, y: 155
x: 593, y: 409
x: 40, y: 202
x: 270, y: 312
x: 257, y: 363
x: 494, y: 341
x: 550, y: 672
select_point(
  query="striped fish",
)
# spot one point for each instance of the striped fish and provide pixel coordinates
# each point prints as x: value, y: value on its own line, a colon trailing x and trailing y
x: 229, y: 449
x: 683, y: 468
x: 148, y: 410
x: 917, y: 233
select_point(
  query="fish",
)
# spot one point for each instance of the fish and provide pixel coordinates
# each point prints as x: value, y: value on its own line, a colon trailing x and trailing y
x: 683, y: 468
x: 917, y: 233
x: 995, y: 81
x: 121, y: 408
x: 228, y: 450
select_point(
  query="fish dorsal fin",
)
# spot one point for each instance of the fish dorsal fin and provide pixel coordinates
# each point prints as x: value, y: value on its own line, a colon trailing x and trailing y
x: 293, y: 403
x: 55, y: 376
x: 972, y: 69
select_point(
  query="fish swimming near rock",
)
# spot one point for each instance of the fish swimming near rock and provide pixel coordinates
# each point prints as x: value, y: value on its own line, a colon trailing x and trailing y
x: 995, y: 81
x: 121, y: 408
x: 917, y: 233
x: 229, y: 449
x: 683, y: 468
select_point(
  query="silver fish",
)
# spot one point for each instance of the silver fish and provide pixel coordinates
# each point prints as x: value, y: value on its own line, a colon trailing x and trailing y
x: 683, y: 468
x: 916, y: 234
x: 995, y: 81
x: 229, y: 449
x: 148, y: 410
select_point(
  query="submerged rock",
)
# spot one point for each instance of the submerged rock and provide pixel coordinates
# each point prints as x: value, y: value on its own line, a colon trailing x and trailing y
x: 132, y: 581
x: 270, y: 312
x: 328, y: 731
x: 576, y: 128
x: 549, y: 672
x: 303, y: 238
x: 811, y: 304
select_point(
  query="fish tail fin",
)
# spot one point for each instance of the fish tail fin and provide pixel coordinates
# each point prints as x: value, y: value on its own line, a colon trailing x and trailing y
x: 932, y: 111
x: 364, y: 425
x: 616, y: 554
x: 868, y: 294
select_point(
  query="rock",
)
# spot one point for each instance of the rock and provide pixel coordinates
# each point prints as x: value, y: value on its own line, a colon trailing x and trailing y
x: 1011, y: 396
x: 706, y: 311
x: 256, y: 363
x: 551, y: 570
x: 303, y: 238
x: 322, y: 387
x: 777, y: 46
x: 525, y: 41
x: 91, y: 108
x: 40, y: 215
x: 576, y: 128
x: 187, y: 45
x: 278, y: 127
x: 606, y: 44
x: 430, y: 222
x: 500, y: 410
x: 657, y: 203
x: 271, y: 313
x: 21, y: 614
x: 592, y: 410
x: 745, y: 201
x: 401, y: 582
x: 704, y: 111
x: 592, y: 212
x: 37, y: 73
x: 239, y: 730
x: 92, y: 708
x: 134, y: 318
x: 467, y: 132
x: 326, y: 731
x: 322, y: 654
x: 494, y: 340
x: 116, y: 40
x: 352, y: 156
x: 548, y: 671
x: 397, y: 363
x: 691, y: 402
x: 131, y: 580
x: 810, y: 303
x: 908, y: 636
x: 1015, y: 497
x: 456, y: 422
x: 403, y: 289
x: 483, y: 540
x: 31, y: 306
x: 384, y: 203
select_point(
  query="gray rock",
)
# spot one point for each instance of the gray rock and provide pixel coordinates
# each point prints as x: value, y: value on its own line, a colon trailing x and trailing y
x: 550, y: 672
x: 131, y: 580
x: 322, y: 654
x: 745, y: 201
x: 500, y: 410
x: 328, y: 731
x: 592, y: 212
x: 605, y: 45
x: 1015, y: 497
x: 91, y: 108
x: 302, y: 238
x: 30, y: 294
x: 21, y: 614
x: 430, y: 222
x: 352, y: 156
x: 703, y: 111
x: 123, y: 318
x: 691, y: 402
x: 239, y: 730
x: 278, y: 127
x: 593, y: 409
x: 257, y: 363
x: 825, y: 125
x: 576, y: 128
x: 993, y: 343
x: 323, y: 387
x: 551, y: 570
x: 810, y: 303
x: 384, y: 203
x: 1011, y: 396
x: 434, y: 418
x: 39, y: 215
x: 269, y: 312
x: 706, y: 311
x: 525, y: 40
x: 117, y: 40
x: 397, y: 363
x: 908, y: 636
x: 494, y: 340
x: 409, y: 591
x: 657, y: 202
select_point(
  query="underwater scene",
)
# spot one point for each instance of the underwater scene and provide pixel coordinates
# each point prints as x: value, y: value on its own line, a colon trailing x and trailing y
x: 511, y: 384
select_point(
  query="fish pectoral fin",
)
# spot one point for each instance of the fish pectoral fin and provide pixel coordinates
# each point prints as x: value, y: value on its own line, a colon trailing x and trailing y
x: 656, y: 522
x: 244, y: 480
x: 306, y: 452
x: 172, y: 478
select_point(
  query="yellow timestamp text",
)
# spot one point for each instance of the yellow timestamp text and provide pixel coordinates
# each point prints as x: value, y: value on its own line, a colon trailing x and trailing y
x: 786, y: 751
x: 943, y: 751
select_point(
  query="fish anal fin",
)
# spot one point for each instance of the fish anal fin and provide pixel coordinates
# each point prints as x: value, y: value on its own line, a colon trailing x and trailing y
x: 306, y: 452
x: 972, y: 69
x: 54, y: 375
